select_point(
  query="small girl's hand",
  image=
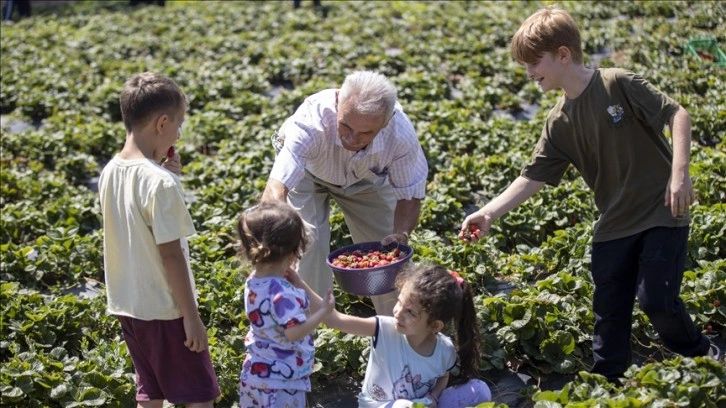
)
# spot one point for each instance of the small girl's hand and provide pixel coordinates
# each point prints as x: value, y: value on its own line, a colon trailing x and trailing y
x: 293, y: 277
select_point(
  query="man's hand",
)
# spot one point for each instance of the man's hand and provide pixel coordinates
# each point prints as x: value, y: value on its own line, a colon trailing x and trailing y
x: 397, y: 237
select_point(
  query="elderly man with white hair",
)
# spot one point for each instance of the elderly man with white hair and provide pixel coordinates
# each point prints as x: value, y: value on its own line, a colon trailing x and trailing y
x: 357, y: 146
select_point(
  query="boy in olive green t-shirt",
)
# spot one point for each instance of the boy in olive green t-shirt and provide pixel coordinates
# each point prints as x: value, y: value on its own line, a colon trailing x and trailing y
x: 609, y: 125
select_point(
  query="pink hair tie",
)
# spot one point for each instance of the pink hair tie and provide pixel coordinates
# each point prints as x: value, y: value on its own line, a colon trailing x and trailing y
x: 455, y: 275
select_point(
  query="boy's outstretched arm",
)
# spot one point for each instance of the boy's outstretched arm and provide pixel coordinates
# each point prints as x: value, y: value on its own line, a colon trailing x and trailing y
x: 679, y: 192
x: 518, y: 192
x: 175, y: 265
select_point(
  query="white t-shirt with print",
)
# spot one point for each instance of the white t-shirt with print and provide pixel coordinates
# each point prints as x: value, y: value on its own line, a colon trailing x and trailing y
x: 396, y: 371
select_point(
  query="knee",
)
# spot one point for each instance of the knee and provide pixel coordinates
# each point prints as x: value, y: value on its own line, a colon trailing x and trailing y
x: 656, y: 308
x: 472, y: 393
x: 480, y: 391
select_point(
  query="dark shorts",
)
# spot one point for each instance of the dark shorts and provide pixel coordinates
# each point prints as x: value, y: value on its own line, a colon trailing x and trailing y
x: 165, y: 368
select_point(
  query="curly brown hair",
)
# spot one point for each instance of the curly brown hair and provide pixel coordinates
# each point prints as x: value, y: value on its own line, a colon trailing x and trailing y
x: 270, y: 232
x: 444, y: 297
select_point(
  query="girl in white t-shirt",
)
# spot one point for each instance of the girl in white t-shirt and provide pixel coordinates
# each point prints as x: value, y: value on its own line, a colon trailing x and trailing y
x: 280, y: 351
x: 410, y: 359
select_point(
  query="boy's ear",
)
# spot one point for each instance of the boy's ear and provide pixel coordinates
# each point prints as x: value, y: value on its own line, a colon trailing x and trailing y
x: 161, y: 122
x: 564, y: 54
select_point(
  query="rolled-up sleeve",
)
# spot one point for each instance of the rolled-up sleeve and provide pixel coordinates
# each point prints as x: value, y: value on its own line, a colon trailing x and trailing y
x: 409, y: 169
x: 300, y: 144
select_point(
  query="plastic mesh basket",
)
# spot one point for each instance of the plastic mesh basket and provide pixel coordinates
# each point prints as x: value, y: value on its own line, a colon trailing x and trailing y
x: 368, y: 281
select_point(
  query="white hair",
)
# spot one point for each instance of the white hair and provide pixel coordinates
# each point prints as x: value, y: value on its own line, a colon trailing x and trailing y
x: 368, y: 93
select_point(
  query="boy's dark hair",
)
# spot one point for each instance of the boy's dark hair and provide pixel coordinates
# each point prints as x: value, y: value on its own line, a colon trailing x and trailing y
x: 148, y: 94
x: 446, y: 298
x: 270, y: 232
x: 546, y: 31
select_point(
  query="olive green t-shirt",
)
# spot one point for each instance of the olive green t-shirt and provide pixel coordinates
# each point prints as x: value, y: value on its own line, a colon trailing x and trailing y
x: 613, y: 134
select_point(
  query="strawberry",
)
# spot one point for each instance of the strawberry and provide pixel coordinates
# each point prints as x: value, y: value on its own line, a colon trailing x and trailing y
x: 170, y: 153
x: 472, y: 232
x: 360, y: 259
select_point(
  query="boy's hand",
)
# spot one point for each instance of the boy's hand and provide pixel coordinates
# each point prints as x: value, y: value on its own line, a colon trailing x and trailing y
x: 196, y: 334
x: 472, y: 233
x: 173, y: 162
x: 679, y: 194
x: 475, y: 226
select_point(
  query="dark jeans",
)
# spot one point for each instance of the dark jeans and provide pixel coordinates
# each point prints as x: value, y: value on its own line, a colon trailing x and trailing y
x: 137, y: 2
x: 24, y: 8
x: 296, y: 3
x: 648, y: 265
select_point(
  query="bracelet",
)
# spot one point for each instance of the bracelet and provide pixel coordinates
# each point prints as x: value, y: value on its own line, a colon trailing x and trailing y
x: 433, y: 397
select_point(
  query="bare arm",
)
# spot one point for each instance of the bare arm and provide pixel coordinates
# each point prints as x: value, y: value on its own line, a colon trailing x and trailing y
x: 274, y: 190
x: 441, y: 383
x: 177, y: 275
x: 405, y: 219
x: 324, y: 307
x: 349, y: 324
x: 680, y: 193
x: 518, y: 192
x: 320, y: 307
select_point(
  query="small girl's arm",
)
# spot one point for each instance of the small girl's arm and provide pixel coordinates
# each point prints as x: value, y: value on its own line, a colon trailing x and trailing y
x: 343, y: 322
x: 435, y: 392
x: 294, y: 278
x: 325, y: 306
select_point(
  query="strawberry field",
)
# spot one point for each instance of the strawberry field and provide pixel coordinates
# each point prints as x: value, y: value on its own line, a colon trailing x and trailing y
x: 245, y: 67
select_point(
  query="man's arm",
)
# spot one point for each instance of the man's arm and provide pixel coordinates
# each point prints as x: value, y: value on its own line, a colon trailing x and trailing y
x: 274, y: 190
x: 177, y: 275
x: 405, y: 216
x: 680, y: 193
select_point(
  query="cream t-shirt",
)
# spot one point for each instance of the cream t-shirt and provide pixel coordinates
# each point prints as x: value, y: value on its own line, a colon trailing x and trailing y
x: 142, y: 206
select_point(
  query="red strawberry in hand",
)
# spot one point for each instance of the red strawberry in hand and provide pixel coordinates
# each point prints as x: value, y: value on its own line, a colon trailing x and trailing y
x: 170, y: 153
x: 472, y: 232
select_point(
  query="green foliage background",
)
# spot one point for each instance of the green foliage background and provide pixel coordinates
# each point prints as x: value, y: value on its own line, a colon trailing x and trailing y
x: 245, y: 67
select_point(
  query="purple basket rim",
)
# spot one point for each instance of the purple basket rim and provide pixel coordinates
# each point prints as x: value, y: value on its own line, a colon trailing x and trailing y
x: 366, y: 246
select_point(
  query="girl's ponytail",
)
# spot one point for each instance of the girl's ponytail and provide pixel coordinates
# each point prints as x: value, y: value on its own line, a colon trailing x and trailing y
x: 467, y: 335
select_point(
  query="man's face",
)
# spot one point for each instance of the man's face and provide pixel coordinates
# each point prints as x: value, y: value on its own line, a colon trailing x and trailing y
x: 355, y: 130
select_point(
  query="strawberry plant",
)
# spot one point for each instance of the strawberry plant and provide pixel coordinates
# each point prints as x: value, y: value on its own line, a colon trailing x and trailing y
x: 477, y: 116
